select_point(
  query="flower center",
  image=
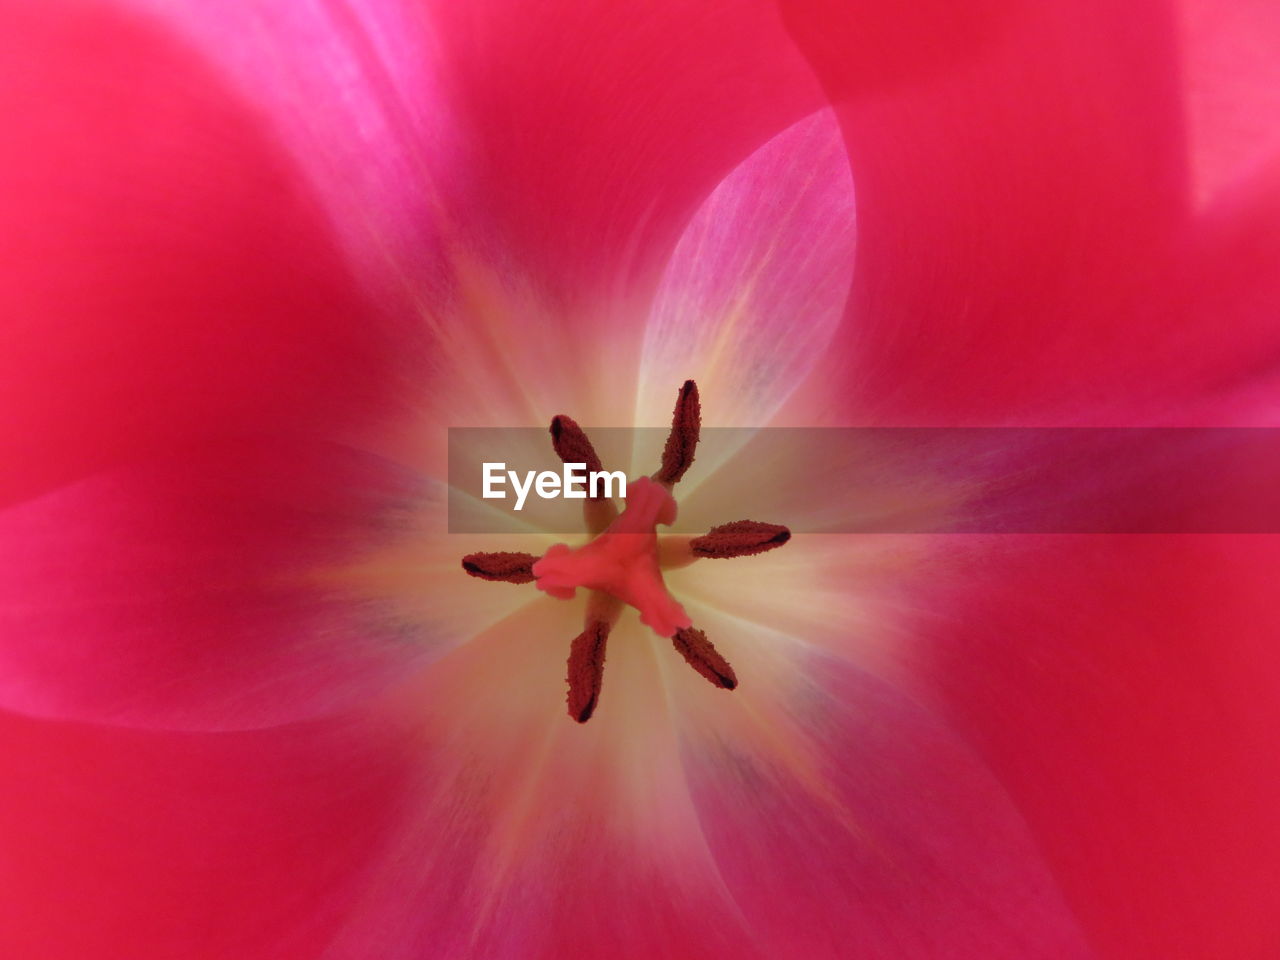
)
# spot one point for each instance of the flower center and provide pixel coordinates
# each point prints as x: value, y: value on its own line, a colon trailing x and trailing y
x: 621, y: 566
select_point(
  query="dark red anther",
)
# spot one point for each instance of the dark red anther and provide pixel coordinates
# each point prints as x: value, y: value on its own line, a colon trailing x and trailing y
x: 572, y: 446
x: 686, y: 424
x: 506, y: 567
x: 703, y: 657
x: 586, y: 670
x: 742, y: 538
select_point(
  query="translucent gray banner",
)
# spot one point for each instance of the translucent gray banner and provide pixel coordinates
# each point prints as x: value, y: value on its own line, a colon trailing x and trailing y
x: 898, y: 480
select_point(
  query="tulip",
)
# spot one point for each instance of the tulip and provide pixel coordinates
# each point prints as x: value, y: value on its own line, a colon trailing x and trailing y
x: 259, y: 256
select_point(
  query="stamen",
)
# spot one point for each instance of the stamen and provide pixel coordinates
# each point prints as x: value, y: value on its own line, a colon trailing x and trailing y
x: 586, y: 670
x: 742, y: 538
x: 505, y: 567
x: 572, y: 446
x: 703, y: 657
x: 686, y: 425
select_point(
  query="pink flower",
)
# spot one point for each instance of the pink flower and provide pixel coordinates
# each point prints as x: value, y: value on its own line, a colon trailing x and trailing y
x: 258, y: 256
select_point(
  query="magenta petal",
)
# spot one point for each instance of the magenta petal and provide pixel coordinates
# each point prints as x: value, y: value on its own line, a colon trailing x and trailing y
x: 756, y: 288
x: 1011, y: 206
x: 157, y: 845
x: 567, y: 141
x: 198, y: 591
x: 1123, y: 690
x: 1233, y: 85
x: 598, y: 128
x: 859, y: 826
x: 353, y: 95
x: 167, y: 275
x: 528, y: 836
x: 1223, y: 295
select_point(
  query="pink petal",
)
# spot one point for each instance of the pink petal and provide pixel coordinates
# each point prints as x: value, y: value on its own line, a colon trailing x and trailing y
x: 352, y: 93
x: 1020, y: 177
x: 148, y: 845
x: 845, y: 821
x: 530, y: 836
x: 1233, y: 88
x: 811, y: 811
x: 599, y: 127
x: 558, y: 145
x: 204, y: 590
x: 512, y: 178
x: 1122, y: 690
x: 757, y: 285
x: 1225, y: 279
x: 166, y: 277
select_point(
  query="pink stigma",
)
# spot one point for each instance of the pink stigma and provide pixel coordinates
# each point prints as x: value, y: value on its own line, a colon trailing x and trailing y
x: 622, y: 561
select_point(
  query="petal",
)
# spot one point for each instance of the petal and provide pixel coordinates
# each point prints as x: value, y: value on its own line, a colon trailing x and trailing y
x: 1226, y: 279
x: 528, y: 835
x: 846, y: 821
x: 202, y: 591
x: 166, y: 275
x: 352, y: 93
x: 148, y: 845
x: 598, y: 133
x: 511, y: 177
x: 1233, y: 88
x: 564, y: 142
x: 1013, y: 201
x: 757, y: 285
x: 1120, y: 687
x: 599, y: 130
